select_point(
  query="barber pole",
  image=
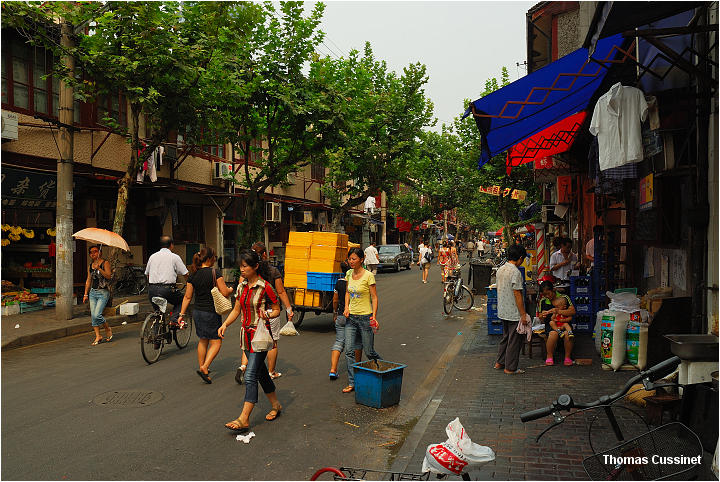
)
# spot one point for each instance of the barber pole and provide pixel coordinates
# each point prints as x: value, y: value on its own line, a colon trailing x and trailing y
x: 540, y: 247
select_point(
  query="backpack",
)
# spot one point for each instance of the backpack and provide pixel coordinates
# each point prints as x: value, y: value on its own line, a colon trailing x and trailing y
x: 428, y: 255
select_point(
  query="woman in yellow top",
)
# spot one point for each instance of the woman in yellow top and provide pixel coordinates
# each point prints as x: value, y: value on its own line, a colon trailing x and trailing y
x: 361, y: 305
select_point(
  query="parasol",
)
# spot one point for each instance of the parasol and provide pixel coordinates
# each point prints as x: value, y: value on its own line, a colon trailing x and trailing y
x: 102, y: 236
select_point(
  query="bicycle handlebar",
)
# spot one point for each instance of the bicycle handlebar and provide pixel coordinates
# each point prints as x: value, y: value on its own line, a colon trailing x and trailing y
x: 651, y: 374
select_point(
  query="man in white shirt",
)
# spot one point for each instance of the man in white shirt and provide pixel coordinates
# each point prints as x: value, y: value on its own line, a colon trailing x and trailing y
x: 162, y: 271
x: 563, y: 260
x: 511, y: 310
x: 371, y: 258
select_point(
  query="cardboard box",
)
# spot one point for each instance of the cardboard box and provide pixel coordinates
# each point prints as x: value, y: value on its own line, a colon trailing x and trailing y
x: 654, y: 306
x: 300, y: 239
x: 129, y: 308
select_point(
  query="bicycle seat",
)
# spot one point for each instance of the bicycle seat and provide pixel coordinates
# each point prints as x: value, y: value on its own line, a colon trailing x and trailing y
x: 160, y: 302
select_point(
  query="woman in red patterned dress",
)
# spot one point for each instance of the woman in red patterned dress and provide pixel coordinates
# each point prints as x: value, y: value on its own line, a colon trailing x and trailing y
x: 257, y: 303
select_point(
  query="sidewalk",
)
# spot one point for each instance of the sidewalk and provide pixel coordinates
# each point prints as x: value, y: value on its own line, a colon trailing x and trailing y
x: 489, y: 403
x: 39, y: 326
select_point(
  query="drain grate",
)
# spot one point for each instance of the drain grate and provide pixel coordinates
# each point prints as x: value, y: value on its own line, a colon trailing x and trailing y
x: 127, y: 398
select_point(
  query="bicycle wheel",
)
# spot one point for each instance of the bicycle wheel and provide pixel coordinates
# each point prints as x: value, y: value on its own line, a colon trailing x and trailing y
x: 448, y: 298
x: 152, y: 338
x: 141, y: 285
x: 182, y: 337
x: 464, y: 301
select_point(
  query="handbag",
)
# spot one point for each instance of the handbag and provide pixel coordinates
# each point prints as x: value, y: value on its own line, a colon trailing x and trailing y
x: 222, y: 304
x: 262, y: 339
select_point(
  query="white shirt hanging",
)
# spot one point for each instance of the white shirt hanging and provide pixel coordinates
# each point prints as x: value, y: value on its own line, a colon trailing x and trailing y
x: 616, y: 122
x: 370, y: 204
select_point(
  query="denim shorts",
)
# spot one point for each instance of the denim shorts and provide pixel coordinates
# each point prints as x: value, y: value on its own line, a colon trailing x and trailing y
x: 206, y: 324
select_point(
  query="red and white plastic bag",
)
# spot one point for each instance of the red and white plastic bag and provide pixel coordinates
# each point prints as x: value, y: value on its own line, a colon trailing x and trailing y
x: 457, y: 454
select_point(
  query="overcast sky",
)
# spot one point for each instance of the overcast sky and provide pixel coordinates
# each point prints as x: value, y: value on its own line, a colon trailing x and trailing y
x: 461, y: 43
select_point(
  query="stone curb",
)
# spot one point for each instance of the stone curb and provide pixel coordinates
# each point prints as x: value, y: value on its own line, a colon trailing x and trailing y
x: 74, y: 329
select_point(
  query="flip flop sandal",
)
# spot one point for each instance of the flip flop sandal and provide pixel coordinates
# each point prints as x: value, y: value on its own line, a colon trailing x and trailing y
x: 109, y: 339
x: 333, y: 376
x: 239, y: 429
x: 275, y: 375
x: 348, y: 389
x: 498, y: 366
x: 204, y: 376
x: 97, y: 342
x: 516, y: 372
x: 277, y: 413
x: 240, y: 374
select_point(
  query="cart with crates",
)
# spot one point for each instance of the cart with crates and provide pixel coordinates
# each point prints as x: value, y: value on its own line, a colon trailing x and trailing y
x: 312, y: 267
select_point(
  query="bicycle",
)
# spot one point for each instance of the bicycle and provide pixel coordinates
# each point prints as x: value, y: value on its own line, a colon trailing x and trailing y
x: 157, y: 330
x: 131, y: 279
x: 641, y: 457
x: 455, y: 293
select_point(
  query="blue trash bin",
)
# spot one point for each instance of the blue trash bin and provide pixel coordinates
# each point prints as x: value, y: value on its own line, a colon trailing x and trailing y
x: 378, y: 385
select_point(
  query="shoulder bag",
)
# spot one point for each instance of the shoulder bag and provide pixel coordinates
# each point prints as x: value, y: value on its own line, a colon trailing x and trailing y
x: 222, y: 304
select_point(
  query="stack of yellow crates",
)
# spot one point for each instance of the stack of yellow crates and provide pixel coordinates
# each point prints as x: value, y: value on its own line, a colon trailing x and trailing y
x: 314, y: 252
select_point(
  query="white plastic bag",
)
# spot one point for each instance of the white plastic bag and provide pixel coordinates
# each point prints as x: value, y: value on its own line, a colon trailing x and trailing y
x: 262, y: 340
x: 625, y: 302
x: 289, y: 329
x: 453, y: 456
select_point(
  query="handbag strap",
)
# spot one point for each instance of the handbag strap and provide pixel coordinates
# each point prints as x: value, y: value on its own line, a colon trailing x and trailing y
x: 214, y: 279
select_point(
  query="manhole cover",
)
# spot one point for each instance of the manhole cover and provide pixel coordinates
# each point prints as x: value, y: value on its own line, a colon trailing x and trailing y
x: 127, y: 398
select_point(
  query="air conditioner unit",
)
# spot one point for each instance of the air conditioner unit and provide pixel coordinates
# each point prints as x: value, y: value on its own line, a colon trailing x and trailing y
x: 307, y: 216
x: 9, y: 126
x: 273, y: 212
x: 221, y: 170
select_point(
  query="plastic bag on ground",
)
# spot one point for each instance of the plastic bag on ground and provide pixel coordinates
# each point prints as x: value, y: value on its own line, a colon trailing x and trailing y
x: 457, y: 454
x: 288, y: 329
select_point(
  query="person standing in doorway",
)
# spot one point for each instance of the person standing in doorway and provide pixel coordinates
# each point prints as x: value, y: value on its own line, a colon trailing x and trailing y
x: 563, y: 261
x: 274, y: 278
x: 203, y: 278
x: 97, y: 293
x: 162, y: 270
x: 371, y: 258
x: 511, y: 310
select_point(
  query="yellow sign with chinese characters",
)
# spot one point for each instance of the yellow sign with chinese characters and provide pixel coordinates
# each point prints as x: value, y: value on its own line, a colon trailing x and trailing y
x: 513, y: 193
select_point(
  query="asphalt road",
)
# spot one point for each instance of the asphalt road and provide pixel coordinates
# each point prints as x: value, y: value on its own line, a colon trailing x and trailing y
x: 53, y: 429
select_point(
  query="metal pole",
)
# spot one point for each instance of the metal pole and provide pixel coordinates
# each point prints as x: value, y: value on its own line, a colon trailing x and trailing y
x: 64, y: 209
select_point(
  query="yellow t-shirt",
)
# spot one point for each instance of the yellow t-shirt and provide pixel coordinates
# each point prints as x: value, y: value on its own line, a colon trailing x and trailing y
x: 359, y: 290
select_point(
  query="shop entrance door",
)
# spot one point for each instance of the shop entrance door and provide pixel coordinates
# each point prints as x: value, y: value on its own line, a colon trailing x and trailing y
x: 152, y: 241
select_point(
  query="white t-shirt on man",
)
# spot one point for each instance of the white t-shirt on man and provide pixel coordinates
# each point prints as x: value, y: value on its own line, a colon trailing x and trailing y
x: 371, y: 255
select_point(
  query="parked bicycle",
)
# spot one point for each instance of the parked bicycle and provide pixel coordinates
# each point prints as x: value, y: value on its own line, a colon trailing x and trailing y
x: 131, y: 280
x: 455, y: 293
x: 670, y: 450
x: 157, y: 330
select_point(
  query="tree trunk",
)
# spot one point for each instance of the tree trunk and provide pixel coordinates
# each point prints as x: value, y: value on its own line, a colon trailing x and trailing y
x: 338, y: 215
x: 251, y: 230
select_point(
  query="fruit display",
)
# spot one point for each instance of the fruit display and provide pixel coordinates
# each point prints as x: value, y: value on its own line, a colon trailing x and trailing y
x: 23, y: 296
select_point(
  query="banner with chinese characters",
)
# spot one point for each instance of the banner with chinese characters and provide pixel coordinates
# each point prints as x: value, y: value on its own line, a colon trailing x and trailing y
x: 513, y: 193
x: 25, y: 189
x: 646, y: 192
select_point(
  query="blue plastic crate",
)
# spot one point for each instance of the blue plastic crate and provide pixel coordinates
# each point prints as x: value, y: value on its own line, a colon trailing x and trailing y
x: 375, y: 387
x: 322, y: 281
x: 41, y: 291
x: 583, y: 309
x: 495, y: 326
x: 492, y: 293
x: 491, y: 314
x: 492, y: 306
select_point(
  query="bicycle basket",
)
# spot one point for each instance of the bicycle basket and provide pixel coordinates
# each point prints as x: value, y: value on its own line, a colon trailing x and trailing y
x: 160, y: 302
x: 667, y: 451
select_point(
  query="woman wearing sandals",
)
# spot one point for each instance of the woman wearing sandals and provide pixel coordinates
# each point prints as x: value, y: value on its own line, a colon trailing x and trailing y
x: 203, y: 278
x: 97, y: 293
x: 253, y: 299
x: 361, y: 305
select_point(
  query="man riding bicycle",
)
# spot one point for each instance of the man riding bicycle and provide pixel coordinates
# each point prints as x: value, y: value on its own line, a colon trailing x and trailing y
x: 162, y: 271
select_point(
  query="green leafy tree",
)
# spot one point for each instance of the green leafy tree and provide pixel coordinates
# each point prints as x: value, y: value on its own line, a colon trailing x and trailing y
x: 261, y: 101
x: 385, y: 116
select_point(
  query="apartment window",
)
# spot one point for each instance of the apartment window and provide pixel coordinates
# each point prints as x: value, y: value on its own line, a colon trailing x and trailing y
x: 317, y: 172
x: 112, y: 106
x: 217, y: 150
x: 24, y: 85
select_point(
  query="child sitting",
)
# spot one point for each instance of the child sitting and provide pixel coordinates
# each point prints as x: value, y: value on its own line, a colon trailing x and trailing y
x: 558, y: 322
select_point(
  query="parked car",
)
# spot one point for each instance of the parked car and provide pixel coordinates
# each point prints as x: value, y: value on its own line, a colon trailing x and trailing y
x: 394, y: 256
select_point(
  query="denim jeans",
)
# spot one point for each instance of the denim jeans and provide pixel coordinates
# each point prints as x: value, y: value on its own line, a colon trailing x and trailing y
x: 339, y: 344
x: 98, y: 300
x: 255, y: 372
x: 359, y: 324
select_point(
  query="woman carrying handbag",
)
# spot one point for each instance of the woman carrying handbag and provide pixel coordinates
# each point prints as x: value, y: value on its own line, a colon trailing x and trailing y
x: 258, y: 304
x: 204, y: 282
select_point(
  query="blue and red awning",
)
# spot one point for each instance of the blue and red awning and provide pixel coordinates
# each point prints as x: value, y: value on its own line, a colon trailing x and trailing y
x: 536, y: 113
